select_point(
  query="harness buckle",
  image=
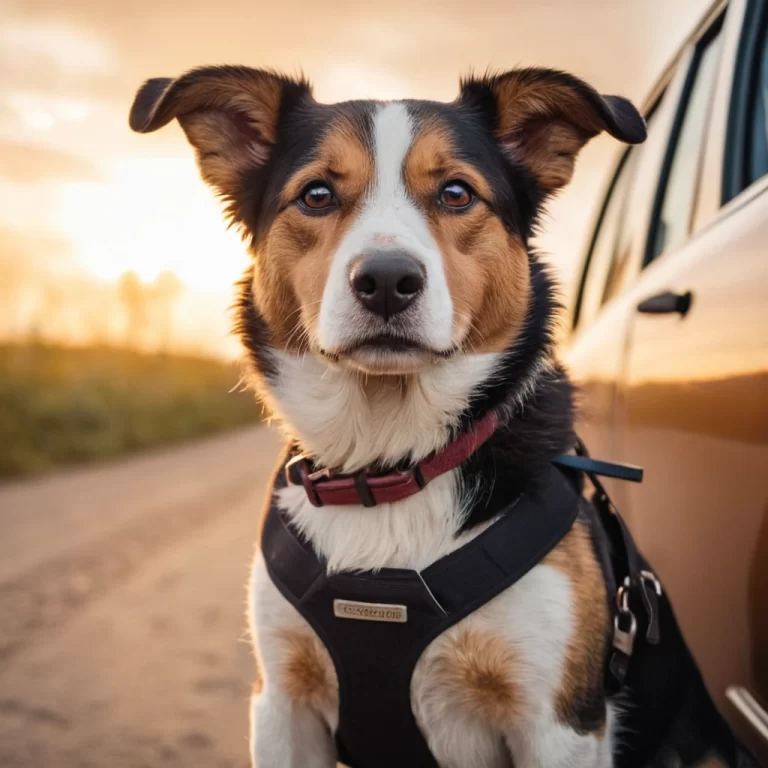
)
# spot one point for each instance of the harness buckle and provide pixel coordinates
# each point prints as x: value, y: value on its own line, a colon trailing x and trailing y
x: 624, y: 641
x: 624, y: 636
x: 624, y: 632
x: 625, y: 623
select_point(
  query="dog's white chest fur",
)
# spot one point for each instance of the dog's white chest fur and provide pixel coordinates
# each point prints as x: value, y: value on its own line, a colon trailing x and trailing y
x: 412, y: 533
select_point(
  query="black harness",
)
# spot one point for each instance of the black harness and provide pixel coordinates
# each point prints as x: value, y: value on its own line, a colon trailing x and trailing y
x: 405, y: 610
x: 375, y: 660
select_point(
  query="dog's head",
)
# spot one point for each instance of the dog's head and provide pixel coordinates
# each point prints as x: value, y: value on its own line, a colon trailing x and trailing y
x: 386, y: 236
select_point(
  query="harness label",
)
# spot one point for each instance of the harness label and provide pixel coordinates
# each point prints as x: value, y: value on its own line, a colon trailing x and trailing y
x: 350, y: 609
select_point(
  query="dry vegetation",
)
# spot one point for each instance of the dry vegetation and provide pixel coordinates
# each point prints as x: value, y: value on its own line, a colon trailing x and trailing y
x: 63, y: 405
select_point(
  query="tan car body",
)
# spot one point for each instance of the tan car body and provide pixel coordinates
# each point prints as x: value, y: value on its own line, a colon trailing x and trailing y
x: 686, y: 397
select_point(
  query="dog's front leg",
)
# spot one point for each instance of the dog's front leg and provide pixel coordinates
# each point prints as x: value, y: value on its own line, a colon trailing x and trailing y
x: 291, y: 716
x: 546, y: 743
x: 287, y: 735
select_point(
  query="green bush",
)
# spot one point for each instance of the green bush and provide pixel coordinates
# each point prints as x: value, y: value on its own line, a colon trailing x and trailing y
x: 61, y: 405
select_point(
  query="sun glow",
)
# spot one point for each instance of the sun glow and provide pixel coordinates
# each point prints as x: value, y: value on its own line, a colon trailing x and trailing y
x: 154, y: 215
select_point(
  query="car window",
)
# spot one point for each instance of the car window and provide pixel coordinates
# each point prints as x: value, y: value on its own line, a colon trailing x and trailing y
x: 604, y: 243
x: 622, y: 247
x: 677, y: 194
x: 757, y: 124
x: 634, y: 220
x: 619, y: 226
x: 746, y: 146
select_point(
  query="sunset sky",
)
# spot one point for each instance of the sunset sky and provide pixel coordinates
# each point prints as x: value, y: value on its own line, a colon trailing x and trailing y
x: 84, y: 200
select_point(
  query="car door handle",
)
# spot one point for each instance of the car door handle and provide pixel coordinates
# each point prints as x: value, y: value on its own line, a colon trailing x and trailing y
x: 667, y: 303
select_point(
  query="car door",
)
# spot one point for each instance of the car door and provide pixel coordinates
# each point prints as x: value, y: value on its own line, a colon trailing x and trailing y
x: 694, y: 406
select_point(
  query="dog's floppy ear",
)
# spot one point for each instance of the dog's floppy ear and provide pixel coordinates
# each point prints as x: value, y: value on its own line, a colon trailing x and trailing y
x: 229, y: 114
x: 543, y: 117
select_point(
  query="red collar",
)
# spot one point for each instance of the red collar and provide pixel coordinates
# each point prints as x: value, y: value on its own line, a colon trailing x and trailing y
x: 323, y: 487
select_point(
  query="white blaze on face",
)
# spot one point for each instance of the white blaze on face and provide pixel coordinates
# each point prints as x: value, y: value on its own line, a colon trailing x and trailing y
x: 390, y: 219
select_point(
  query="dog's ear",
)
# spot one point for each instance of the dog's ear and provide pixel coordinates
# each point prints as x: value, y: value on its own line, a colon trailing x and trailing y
x: 543, y: 117
x: 229, y: 114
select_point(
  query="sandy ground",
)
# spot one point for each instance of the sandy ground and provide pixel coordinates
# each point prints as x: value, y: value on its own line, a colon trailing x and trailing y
x: 122, y: 630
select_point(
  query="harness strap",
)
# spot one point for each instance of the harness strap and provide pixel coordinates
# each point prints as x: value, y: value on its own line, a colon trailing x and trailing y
x: 638, y: 587
x: 584, y: 463
x: 502, y: 554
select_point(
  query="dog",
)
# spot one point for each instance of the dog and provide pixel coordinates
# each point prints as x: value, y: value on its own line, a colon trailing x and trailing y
x: 393, y: 300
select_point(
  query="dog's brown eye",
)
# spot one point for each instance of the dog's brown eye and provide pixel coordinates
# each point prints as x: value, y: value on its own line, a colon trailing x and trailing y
x: 317, y: 196
x: 456, y: 195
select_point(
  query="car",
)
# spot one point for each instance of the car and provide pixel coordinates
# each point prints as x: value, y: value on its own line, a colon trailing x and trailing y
x: 668, y: 341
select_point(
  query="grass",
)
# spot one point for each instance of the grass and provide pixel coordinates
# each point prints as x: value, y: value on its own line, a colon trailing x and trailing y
x: 62, y: 405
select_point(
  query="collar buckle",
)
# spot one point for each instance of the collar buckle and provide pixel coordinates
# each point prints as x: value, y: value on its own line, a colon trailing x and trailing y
x: 297, y: 472
x: 323, y: 487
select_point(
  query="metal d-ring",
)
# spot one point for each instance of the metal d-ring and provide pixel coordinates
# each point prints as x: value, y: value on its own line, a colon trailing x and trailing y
x: 624, y: 639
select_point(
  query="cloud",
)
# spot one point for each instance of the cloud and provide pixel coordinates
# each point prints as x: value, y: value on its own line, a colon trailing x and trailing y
x: 67, y: 45
x: 29, y: 163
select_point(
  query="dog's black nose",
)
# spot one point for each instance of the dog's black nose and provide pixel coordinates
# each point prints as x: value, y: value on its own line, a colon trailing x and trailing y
x: 386, y: 282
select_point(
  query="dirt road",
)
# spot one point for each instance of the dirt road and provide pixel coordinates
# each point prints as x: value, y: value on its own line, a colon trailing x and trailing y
x: 122, y: 631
